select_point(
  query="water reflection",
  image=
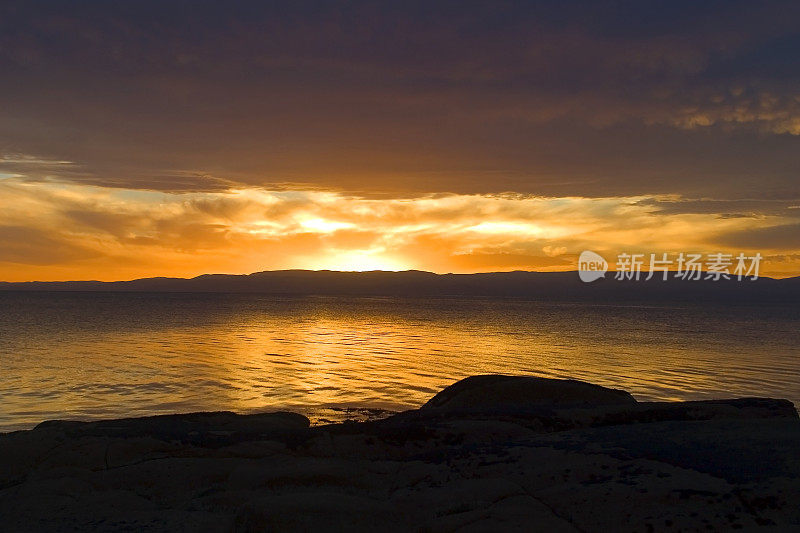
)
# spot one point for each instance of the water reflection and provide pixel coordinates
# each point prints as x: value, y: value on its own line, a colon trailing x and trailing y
x: 101, y: 355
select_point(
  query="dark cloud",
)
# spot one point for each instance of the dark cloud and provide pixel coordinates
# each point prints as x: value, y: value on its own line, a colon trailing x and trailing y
x: 32, y: 246
x: 784, y: 237
x: 739, y: 208
x: 578, y: 98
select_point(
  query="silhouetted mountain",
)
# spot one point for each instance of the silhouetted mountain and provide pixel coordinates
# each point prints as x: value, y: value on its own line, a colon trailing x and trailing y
x: 412, y: 283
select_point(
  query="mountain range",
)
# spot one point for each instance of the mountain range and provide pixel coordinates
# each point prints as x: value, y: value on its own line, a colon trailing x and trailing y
x: 413, y: 283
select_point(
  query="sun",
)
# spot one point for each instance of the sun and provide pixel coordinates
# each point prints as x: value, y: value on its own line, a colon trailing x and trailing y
x: 361, y: 261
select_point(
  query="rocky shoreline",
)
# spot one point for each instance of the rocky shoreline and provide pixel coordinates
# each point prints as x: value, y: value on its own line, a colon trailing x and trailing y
x: 491, y: 453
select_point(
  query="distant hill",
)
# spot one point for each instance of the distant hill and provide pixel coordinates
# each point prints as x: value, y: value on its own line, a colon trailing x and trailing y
x: 412, y: 283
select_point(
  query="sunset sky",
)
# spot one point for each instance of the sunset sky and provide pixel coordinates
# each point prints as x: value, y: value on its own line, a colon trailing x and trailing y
x: 138, y: 139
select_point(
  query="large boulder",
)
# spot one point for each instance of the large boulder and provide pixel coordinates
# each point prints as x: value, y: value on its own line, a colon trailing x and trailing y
x: 491, y: 392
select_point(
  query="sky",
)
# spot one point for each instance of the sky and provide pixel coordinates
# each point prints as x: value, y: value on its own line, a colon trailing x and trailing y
x: 179, y: 138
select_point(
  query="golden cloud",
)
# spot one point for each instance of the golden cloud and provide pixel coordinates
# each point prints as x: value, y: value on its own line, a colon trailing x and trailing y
x: 70, y: 231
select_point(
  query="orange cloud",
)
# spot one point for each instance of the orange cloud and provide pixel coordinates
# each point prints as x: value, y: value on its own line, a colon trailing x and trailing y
x: 68, y: 231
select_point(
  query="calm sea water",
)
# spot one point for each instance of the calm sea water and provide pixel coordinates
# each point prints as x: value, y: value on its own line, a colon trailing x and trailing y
x: 99, y: 355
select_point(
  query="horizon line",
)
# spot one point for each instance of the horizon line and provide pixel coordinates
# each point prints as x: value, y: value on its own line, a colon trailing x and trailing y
x: 575, y: 271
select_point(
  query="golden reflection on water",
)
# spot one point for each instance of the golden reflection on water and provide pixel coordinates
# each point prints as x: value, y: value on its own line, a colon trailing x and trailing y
x: 88, y: 356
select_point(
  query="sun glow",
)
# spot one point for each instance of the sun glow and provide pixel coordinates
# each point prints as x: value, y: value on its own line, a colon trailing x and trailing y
x: 319, y: 225
x: 360, y: 261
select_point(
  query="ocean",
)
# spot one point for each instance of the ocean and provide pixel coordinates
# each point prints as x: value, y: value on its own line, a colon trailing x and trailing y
x: 72, y: 355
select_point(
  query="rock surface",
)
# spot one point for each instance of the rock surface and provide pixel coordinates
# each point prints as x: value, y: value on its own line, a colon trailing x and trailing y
x: 519, y: 392
x: 488, y: 453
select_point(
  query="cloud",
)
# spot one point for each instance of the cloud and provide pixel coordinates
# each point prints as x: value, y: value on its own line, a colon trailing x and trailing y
x: 578, y: 99
x: 783, y: 237
x: 180, y: 138
x: 740, y: 208
x: 23, y: 245
x: 89, y: 231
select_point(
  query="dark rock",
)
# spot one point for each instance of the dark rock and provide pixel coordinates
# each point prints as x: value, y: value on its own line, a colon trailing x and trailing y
x: 496, y: 392
x: 209, y: 429
x: 490, y: 453
x: 645, y: 412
